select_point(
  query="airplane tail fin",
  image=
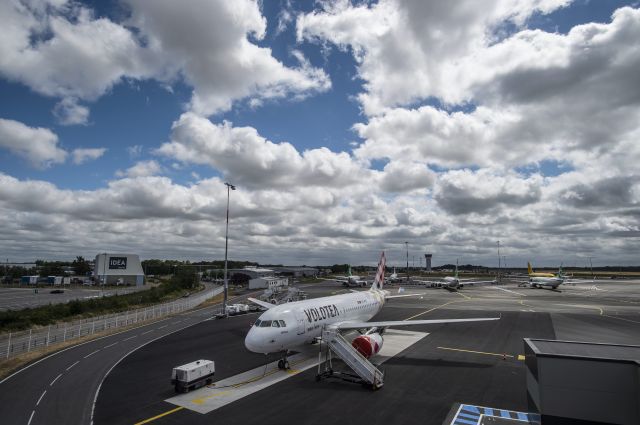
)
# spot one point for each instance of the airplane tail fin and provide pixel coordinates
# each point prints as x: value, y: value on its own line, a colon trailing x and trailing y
x: 379, y: 279
x: 456, y: 275
x: 529, y: 268
x: 349, y: 270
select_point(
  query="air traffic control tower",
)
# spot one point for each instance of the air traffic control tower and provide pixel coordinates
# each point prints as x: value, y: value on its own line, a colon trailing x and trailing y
x: 427, y: 262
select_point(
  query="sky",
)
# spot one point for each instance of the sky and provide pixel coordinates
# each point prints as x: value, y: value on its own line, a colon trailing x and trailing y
x: 348, y: 128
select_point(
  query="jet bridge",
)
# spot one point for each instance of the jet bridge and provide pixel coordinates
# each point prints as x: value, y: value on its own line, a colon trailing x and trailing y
x: 365, y: 372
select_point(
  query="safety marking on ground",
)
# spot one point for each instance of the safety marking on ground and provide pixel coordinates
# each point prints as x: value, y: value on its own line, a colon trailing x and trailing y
x: 526, y: 305
x: 465, y: 296
x: 508, y: 290
x: 468, y: 414
x: 33, y: 412
x: 521, y: 357
x: 111, y: 345
x: 477, y: 352
x: 40, y: 399
x: 69, y: 368
x: 434, y: 308
x: 146, y: 421
x: 92, y: 353
x: 127, y: 339
x: 54, y: 381
x: 591, y: 307
x: 144, y: 333
x: 223, y: 392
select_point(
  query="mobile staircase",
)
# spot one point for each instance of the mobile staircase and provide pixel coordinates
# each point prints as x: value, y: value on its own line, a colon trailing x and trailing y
x: 366, y: 373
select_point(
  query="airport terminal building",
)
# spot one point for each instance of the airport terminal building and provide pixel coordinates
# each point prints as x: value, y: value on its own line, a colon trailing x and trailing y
x: 118, y: 269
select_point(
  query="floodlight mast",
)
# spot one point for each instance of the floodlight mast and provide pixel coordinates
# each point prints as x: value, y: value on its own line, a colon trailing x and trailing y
x: 226, y: 245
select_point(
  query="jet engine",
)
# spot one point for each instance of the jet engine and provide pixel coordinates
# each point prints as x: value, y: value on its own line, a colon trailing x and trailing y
x: 368, y: 344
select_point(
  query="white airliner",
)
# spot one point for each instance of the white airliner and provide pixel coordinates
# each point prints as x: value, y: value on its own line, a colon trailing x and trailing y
x: 287, y: 326
x: 350, y: 279
x: 454, y: 282
x: 393, y: 278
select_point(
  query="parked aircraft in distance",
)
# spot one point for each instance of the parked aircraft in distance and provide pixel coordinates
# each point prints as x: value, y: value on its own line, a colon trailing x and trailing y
x: 454, y: 282
x: 350, y: 279
x: 287, y: 326
x: 393, y: 278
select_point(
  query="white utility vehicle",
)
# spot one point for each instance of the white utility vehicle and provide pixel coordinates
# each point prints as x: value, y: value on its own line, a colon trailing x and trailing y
x: 192, y: 375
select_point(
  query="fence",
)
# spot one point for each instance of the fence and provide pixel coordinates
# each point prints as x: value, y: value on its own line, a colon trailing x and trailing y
x: 15, y: 343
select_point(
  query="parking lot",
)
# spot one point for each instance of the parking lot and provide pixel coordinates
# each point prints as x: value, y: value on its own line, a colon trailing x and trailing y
x: 27, y: 297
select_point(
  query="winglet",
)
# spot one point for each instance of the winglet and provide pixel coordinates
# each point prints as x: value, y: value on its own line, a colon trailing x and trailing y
x: 262, y: 303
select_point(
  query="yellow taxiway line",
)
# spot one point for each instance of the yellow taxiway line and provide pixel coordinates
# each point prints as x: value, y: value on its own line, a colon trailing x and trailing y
x: 168, y: 412
x: 466, y: 296
x: 476, y: 352
x: 519, y: 356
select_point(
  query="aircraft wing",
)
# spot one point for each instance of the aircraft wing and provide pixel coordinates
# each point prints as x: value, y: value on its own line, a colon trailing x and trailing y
x: 394, y: 323
x: 401, y: 296
x: 436, y: 282
x: 261, y: 303
x: 479, y: 282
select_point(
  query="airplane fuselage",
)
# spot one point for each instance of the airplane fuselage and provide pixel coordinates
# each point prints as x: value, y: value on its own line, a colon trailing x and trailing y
x: 303, y: 320
x: 551, y: 282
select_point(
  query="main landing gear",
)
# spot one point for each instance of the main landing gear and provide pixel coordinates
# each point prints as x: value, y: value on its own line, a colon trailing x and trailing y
x: 283, y: 363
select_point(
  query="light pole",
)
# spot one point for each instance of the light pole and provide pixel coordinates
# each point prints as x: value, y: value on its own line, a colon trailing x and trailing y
x: 407, y: 245
x: 226, y: 244
x: 499, y: 261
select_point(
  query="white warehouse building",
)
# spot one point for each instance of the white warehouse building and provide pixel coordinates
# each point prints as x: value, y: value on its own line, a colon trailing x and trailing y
x: 118, y: 269
x: 261, y: 278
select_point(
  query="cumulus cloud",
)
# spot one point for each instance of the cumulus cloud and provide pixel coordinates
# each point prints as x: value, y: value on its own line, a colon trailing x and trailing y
x: 69, y: 112
x: 60, y: 49
x: 462, y: 103
x: 38, y: 146
x: 410, y: 50
x: 245, y: 157
x: 141, y: 169
x: 466, y: 191
x: 82, y: 155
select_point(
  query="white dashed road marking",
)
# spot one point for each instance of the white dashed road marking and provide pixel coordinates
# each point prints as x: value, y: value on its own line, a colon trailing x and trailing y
x: 40, y: 399
x: 73, y: 365
x: 91, y: 354
x: 54, y: 381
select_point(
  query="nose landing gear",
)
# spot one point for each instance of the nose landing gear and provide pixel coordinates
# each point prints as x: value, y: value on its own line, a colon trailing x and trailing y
x: 283, y: 363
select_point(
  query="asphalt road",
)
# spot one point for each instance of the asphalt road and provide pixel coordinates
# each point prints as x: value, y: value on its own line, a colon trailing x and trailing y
x: 19, y: 298
x: 61, y: 388
x: 455, y: 363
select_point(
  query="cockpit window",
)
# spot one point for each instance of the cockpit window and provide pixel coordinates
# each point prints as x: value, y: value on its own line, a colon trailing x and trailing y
x: 265, y: 324
x: 282, y: 324
x: 257, y: 323
x: 275, y: 324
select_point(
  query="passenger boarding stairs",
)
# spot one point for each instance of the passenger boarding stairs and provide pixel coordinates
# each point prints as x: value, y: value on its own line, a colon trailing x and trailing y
x: 366, y: 373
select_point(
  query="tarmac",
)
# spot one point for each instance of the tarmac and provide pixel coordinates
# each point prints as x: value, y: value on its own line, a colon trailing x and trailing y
x: 471, y: 364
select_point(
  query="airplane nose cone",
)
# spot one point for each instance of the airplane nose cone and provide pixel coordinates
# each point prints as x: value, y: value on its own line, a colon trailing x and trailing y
x: 252, y: 342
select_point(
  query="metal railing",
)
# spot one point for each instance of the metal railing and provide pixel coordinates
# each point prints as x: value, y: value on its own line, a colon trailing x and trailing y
x: 15, y: 343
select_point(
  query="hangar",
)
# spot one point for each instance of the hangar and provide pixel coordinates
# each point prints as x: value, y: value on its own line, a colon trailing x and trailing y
x: 118, y: 269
